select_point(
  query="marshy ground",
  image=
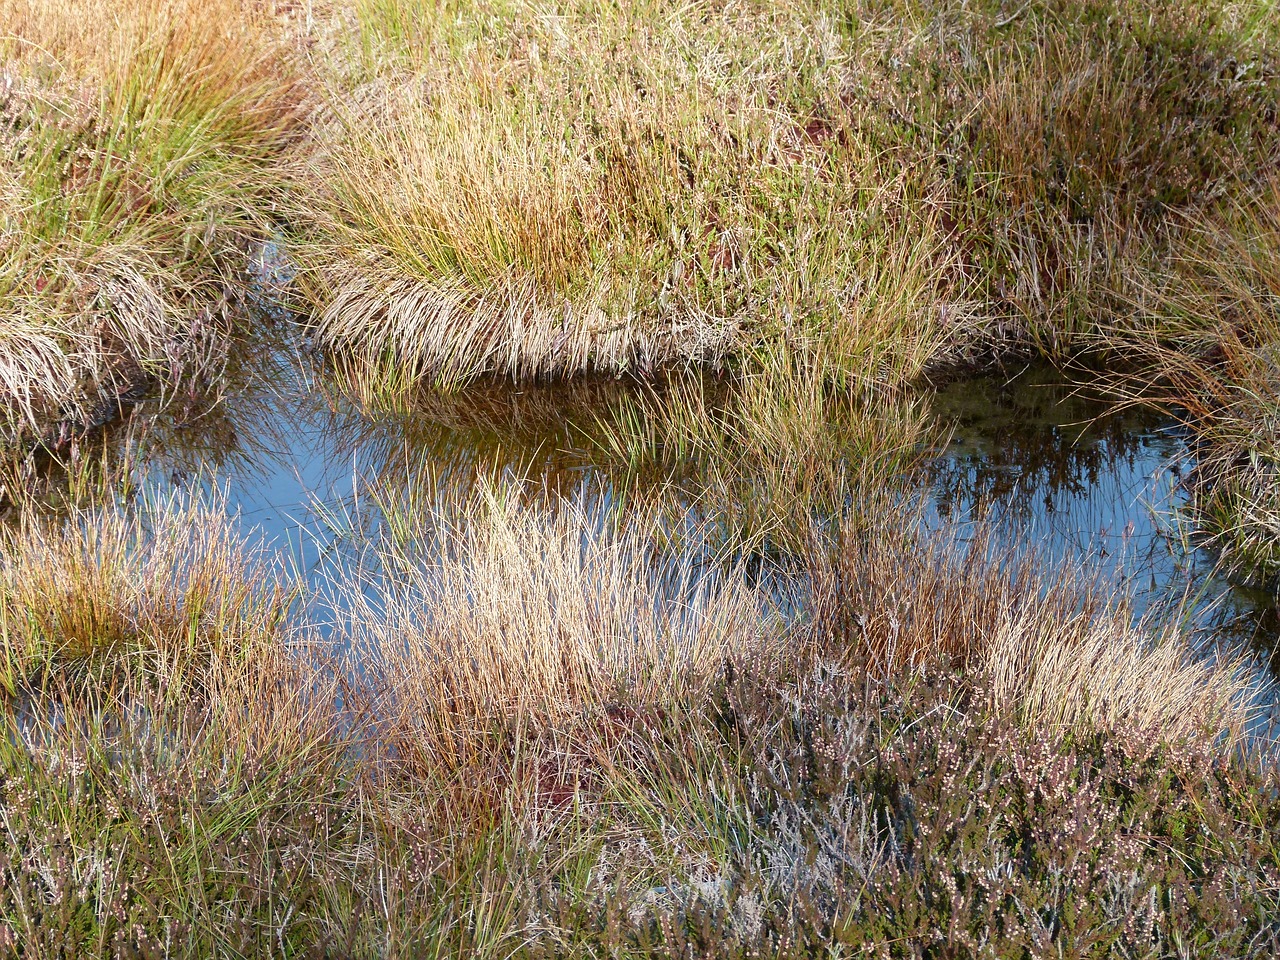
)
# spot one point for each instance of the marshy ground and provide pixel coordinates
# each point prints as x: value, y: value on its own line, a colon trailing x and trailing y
x: 651, y: 479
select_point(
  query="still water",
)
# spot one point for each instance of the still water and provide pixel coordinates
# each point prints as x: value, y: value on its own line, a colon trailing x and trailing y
x: 1053, y: 470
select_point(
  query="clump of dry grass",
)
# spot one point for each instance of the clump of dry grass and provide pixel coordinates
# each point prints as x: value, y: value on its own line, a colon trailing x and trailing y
x: 1057, y: 649
x: 547, y: 728
x: 140, y: 137
x: 495, y: 631
x: 1108, y: 676
x: 171, y: 587
x: 498, y: 623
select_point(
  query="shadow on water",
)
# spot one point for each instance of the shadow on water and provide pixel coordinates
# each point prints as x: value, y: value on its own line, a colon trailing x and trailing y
x: 1064, y: 473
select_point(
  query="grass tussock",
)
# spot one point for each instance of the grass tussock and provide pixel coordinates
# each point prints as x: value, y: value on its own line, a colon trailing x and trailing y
x: 530, y: 192
x: 1109, y: 676
x: 138, y: 142
x: 1207, y: 349
x: 1056, y: 649
x: 536, y: 196
x: 169, y: 587
x: 499, y: 623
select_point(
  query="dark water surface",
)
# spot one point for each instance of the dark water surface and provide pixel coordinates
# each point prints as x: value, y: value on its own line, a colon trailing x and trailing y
x: 1078, y: 481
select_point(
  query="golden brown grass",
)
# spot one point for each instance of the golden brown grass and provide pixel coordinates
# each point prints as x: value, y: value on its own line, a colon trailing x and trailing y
x: 608, y: 188
x: 746, y: 699
x: 139, y: 137
x: 534, y: 191
x: 169, y: 586
x: 213, y: 54
x: 745, y: 702
x: 499, y: 623
x: 1056, y: 647
x: 539, y: 730
x: 1106, y: 675
x: 156, y: 719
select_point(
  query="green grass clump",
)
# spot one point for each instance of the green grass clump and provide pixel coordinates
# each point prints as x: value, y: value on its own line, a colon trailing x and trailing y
x: 608, y: 188
x: 137, y: 142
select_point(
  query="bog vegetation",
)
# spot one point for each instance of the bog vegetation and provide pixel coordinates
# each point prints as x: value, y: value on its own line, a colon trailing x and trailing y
x: 748, y: 703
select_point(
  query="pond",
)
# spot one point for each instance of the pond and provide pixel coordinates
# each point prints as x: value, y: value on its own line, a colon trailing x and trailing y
x: 1053, y: 470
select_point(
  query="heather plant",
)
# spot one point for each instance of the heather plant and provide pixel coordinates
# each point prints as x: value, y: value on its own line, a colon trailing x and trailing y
x: 902, y: 818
